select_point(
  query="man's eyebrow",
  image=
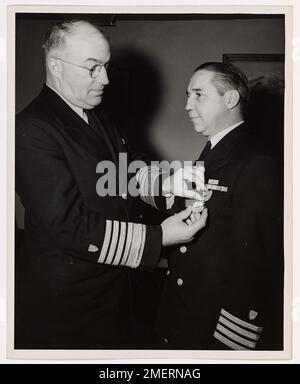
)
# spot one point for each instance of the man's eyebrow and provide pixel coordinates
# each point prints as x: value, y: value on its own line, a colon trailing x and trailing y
x: 194, y: 90
x: 93, y: 60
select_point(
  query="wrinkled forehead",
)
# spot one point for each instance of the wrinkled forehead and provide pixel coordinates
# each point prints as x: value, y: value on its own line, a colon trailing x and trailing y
x: 201, y: 79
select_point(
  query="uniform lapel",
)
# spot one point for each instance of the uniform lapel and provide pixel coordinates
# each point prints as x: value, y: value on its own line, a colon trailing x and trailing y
x: 105, y: 130
x: 78, y: 130
x: 219, y: 155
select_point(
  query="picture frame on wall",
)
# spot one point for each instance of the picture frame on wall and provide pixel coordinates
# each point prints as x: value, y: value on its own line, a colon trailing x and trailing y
x: 266, y: 78
x: 258, y: 67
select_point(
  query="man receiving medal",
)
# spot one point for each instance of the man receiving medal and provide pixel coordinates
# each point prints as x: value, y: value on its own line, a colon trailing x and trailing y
x: 225, y: 292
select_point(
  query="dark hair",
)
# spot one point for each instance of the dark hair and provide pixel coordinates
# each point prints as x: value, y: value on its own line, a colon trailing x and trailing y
x: 226, y: 77
x: 56, y: 33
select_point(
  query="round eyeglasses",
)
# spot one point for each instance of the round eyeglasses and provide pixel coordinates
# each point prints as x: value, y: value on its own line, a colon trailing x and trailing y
x: 94, y: 71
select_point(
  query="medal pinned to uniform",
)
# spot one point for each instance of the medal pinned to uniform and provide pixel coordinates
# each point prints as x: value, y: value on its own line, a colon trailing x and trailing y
x: 207, y: 194
x: 198, y: 205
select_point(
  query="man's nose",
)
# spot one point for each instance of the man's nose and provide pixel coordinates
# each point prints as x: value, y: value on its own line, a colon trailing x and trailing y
x: 188, y: 105
x: 103, y: 76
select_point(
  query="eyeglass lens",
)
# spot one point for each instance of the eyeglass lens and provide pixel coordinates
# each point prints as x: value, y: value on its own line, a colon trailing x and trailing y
x: 97, y: 69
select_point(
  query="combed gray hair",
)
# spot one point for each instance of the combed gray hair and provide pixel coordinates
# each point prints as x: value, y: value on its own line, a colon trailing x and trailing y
x: 56, y: 34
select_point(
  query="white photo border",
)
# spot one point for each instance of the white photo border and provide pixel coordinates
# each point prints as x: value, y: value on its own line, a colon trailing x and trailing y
x: 288, y: 213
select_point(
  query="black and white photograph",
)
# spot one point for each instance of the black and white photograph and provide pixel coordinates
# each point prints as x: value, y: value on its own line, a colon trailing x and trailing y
x: 150, y: 174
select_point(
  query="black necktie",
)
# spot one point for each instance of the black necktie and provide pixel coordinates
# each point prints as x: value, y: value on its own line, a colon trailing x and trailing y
x: 205, y: 151
x: 202, y: 156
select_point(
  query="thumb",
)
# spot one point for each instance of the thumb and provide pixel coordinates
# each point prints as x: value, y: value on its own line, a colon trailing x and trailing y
x: 200, y: 223
x: 182, y: 215
x: 193, y: 195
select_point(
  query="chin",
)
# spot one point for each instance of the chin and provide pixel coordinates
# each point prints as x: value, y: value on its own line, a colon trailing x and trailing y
x: 198, y: 128
x: 95, y: 101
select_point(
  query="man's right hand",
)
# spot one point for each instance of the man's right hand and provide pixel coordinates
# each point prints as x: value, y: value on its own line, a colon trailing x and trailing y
x: 177, y: 184
x: 179, y: 228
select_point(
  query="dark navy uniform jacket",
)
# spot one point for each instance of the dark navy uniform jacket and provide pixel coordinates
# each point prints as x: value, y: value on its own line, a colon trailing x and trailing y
x: 79, y: 246
x: 224, y: 290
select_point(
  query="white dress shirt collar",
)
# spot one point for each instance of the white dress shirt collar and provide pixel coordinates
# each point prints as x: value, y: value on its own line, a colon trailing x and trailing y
x: 220, y: 135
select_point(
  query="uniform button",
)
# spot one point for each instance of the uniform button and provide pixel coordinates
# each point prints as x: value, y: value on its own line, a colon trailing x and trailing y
x: 124, y: 196
x: 141, y: 216
x: 179, y: 282
x: 183, y: 249
x: 168, y: 272
x: 71, y: 262
x: 165, y: 340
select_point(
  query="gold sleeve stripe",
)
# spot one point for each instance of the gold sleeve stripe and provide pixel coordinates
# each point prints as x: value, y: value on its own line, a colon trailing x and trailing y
x: 106, y: 241
x: 237, y: 329
x: 156, y: 172
x: 114, y: 243
x: 126, y: 252
x: 122, y: 240
x: 142, y: 245
x: 227, y: 342
x: 236, y: 338
x: 241, y: 322
x: 135, y: 244
x: 123, y: 244
x: 142, y: 179
x: 146, y: 178
x: 145, y: 186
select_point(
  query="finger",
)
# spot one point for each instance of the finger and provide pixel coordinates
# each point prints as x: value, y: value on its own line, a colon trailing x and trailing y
x: 199, y: 224
x: 191, y: 194
x: 194, y: 208
x: 204, y: 214
x: 193, y: 183
x: 190, y: 239
x: 188, y: 221
x: 200, y: 180
x: 192, y: 217
x: 197, y: 206
x: 195, y: 176
x: 194, y: 170
x: 183, y: 215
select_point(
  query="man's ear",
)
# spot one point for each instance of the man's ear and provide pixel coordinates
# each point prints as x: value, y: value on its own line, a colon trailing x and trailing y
x: 232, y: 98
x: 55, y: 67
